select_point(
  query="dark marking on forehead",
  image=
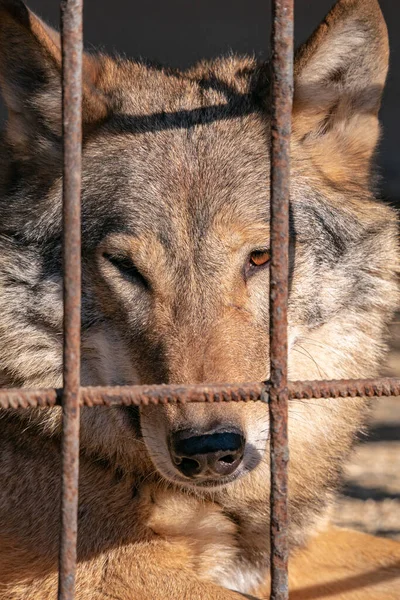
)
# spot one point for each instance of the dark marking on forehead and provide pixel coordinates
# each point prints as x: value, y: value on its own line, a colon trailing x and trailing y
x: 212, y: 99
x: 182, y: 119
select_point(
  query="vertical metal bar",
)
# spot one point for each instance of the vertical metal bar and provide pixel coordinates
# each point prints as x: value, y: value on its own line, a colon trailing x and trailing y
x: 71, y: 27
x: 282, y: 98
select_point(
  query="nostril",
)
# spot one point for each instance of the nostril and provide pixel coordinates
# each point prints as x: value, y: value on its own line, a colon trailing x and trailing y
x: 225, y: 464
x: 228, y: 459
x: 190, y: 467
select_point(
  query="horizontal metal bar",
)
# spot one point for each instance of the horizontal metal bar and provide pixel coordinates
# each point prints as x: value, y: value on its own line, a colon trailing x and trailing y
x: 162, y: 394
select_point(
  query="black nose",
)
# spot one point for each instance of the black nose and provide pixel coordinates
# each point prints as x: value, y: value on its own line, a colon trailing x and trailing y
x: 209, y: 455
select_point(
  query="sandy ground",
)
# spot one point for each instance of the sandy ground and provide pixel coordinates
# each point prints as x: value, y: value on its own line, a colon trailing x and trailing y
x: 370, y: 500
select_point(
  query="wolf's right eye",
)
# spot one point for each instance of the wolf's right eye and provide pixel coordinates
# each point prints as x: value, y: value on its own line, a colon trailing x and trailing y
x: 259, y: 258
x: 127, y: 268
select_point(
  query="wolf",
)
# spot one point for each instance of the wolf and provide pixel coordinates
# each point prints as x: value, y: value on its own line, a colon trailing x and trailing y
x: 173, y: 500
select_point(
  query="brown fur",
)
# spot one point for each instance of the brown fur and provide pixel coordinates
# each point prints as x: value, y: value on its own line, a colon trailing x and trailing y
x: 174, y: 204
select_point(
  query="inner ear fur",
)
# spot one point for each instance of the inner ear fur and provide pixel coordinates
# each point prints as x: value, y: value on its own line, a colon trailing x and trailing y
x: 30, y: 75
x: 340, y: 74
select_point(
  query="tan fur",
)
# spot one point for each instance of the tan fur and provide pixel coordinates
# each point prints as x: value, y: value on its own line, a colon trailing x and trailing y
x: 174, y: 203
x: 44, y: 46
x: 352, y: 128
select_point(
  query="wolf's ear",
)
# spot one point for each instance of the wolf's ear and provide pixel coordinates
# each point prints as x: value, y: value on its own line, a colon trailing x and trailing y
x: 30, y: 76
x: 339, y: 78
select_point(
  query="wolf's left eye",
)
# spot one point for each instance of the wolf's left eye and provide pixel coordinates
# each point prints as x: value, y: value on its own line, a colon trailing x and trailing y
x: 127, y: 268
x: 259, y: 258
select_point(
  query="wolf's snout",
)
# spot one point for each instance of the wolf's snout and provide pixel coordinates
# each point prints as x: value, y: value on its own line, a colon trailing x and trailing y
x: 209, y: 455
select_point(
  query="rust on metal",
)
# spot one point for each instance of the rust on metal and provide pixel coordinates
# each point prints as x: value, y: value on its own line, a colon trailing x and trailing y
x: 71, y: 28
x: 161, y: 394
x: 281, y: 116
x: 344, y: 388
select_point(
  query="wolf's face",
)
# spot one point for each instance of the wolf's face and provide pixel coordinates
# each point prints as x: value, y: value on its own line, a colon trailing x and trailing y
x: 175, y: 215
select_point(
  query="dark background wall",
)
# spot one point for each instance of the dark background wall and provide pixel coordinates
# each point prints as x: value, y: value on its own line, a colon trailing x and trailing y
x: 179, y: 32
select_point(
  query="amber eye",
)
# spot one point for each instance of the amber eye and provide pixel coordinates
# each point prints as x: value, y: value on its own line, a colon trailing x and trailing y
x: 259, y: 258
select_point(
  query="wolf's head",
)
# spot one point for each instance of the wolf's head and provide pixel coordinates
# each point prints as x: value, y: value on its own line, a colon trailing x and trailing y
x: 175, y: 215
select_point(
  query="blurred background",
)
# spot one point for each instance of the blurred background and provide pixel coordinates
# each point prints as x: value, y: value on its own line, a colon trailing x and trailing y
x: 178, y: 33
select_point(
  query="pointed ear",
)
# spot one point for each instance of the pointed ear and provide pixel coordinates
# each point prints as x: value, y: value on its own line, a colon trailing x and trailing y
x: 30, y: 77
x: 339, y: 78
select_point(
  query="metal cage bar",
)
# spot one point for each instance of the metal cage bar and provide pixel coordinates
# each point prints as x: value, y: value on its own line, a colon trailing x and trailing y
x: 71, y: 29
x: 281, y: 116
x: 161, y: 394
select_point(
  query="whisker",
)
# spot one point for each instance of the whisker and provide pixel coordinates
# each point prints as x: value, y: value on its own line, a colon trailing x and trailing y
x: 309, y: 355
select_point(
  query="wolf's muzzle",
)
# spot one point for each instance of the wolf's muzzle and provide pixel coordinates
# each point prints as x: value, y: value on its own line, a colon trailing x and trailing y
x: 207, y: 456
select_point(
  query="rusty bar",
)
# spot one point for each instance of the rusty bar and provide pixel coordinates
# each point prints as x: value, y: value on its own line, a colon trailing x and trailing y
x: 246, y: 392
x: 172, y: 394
x: 281, y: 114
x: 345, y: 388
x: 71, y: 27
